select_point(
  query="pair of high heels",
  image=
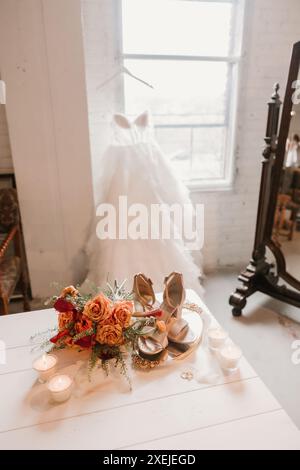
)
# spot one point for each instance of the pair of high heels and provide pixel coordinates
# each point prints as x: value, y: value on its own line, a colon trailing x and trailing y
x: 171, y: 327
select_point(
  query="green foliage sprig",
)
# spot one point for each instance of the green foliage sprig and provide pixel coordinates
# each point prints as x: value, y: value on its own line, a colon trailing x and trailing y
x: 117, y: 292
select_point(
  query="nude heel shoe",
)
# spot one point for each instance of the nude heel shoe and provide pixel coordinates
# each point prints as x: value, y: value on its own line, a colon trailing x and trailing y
x: 143, y: 294
x: 151, y: 347
x: 179, y: 330
x: 144, y: 303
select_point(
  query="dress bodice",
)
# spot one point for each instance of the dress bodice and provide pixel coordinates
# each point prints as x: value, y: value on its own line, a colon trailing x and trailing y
x: 128, y: 132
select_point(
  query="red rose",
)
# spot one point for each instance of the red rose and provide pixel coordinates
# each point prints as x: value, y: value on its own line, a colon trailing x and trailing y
x: 61, y: 305
x: 60, y: 335
x: 83, y: 324
x: 85, y: 342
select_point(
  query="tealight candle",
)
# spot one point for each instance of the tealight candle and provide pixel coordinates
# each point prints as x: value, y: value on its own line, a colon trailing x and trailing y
x: 229, y: 357
x: 45, y: 366
x: 60, y: 387
x: 216, y: 337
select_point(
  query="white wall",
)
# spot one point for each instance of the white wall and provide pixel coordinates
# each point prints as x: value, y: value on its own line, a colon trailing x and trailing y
x: 5, y: 151
x: 42, y: 62
x: 271, y: 28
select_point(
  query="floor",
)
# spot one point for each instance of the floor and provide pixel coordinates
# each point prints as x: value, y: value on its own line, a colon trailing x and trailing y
x: 266, y: 336
x: 264, y: 332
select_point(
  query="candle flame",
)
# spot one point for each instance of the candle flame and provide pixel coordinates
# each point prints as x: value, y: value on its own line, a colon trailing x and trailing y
x: 44, y: 358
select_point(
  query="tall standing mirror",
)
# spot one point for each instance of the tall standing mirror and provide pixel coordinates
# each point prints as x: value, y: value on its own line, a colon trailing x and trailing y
x: 277, y: 233
x: 286, y: 226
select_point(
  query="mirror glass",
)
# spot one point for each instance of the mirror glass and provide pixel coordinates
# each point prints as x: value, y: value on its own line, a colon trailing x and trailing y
x: 286, y: 228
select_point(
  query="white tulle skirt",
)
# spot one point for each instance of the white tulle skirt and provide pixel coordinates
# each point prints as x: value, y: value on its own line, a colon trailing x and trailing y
x: 143, y: 174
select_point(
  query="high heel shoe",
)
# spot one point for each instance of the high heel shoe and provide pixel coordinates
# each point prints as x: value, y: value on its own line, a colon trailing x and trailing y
x: 179, y: 330
x: 144, y: 303
x: 143, y: 293
x: 151, y: 347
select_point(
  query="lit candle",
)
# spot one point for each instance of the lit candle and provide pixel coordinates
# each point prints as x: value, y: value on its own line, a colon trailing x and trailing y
x: 60, y: 387
x: 229, y: 357
x: 45, y: 366
x: 216, y: 337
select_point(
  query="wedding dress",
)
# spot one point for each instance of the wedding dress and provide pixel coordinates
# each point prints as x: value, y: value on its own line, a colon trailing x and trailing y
x: 292, y: 158
x: 134, y: 166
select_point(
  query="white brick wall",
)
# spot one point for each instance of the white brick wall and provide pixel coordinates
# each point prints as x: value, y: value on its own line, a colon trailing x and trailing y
x: 271, y: 28
x: 5, y: 152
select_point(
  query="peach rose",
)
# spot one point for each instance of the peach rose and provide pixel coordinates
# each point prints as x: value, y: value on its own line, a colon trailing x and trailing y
x: 64, y: 318
x: 70, y: 290
x: 110, y: 335
x: 122, y: 312
x: 98, y: 309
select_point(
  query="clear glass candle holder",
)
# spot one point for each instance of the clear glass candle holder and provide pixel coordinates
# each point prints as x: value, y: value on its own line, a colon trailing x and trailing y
x: 45, y: 366
x: 229, y: 357
x: 60, y: 387
x: 216, y: 338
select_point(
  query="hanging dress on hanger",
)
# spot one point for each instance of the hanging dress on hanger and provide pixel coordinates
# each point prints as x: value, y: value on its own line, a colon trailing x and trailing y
x: 135, y: 166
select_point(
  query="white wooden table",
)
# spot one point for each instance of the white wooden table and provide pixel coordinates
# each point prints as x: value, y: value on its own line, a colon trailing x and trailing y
x: 162, y: 412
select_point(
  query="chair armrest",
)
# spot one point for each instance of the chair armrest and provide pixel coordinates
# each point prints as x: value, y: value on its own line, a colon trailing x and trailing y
x: 7, y: 240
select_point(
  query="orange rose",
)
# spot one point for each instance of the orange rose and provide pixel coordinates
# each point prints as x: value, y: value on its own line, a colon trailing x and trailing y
x: 161, y: 326
x: 110, y: 335
x: 70, y: 290
x: 98, y: 309
x: 64, y: 318
x: 122, y: 312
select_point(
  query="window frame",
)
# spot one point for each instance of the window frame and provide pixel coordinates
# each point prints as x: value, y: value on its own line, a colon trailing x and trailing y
x: 233, y: 59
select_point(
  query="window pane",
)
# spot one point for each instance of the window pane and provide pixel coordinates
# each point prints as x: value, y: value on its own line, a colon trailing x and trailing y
x: 176, y: 27
x: 196, y: 154
x: 184, y: 92
x: 208, y: 153
x: 175, y: 142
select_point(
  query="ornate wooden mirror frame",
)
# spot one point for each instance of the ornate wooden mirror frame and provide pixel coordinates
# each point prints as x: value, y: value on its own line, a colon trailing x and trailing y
x: 261, y: 275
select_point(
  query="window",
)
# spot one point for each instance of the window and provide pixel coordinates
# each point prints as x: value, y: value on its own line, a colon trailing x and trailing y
x: 189, y: 51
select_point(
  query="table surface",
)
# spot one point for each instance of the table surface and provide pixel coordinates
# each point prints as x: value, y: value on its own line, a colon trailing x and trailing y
x: 163, y: 411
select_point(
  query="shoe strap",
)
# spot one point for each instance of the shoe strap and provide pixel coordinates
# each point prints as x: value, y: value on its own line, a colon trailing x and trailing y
x: 136, y: 290
x: 166, y: 292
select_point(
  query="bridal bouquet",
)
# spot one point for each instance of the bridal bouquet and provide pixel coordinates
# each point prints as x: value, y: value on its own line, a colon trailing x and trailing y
x: 103, y: 324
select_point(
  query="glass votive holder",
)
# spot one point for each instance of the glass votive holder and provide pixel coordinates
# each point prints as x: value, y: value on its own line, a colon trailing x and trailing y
x: 60, y: 387
x: 229, y: 357
x: 45, y: 366
x: 216, y: 338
